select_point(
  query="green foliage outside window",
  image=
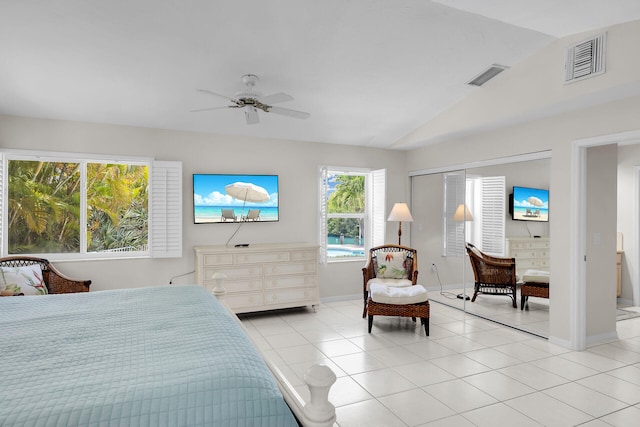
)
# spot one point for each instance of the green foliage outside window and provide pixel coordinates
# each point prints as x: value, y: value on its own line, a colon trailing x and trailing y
x: 44, y: 207
x: 348, y: 198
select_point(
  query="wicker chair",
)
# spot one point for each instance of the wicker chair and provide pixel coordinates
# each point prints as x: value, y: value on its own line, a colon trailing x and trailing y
x: 493, y: 275
x: 369, y: 272
x: 56, y: 282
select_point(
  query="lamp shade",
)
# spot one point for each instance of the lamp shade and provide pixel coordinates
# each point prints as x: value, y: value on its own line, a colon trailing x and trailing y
x: 462, y: 213
x: 400, y: 212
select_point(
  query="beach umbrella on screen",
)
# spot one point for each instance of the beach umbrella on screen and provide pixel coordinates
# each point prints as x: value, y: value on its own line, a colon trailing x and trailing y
x: 535, y: 201
x: 247, y: 192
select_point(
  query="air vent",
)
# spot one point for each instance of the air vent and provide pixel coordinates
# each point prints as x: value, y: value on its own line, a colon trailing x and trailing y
x: 487, y: 75
x: 585, y: 59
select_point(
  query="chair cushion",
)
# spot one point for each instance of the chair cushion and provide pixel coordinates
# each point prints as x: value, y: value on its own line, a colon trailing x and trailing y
x: 535, y: 276
x: 27, y: 279
x: 391, y: 265
x: 395, y: 283
x: 398, y: 296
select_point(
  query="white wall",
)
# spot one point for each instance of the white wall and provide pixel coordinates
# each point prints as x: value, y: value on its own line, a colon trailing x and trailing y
x: 296, y: 163
x: 628, y: 195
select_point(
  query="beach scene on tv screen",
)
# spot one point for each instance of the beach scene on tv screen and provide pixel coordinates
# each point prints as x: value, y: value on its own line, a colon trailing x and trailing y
x: 530, y: 204
x: 235, y: 198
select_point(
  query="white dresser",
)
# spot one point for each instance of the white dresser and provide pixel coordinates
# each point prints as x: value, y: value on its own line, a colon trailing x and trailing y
x: 529, y: 252
x: 262, y: 276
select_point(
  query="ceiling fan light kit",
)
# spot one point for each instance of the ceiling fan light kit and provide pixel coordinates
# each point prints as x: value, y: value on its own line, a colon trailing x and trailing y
x: 251, y: 101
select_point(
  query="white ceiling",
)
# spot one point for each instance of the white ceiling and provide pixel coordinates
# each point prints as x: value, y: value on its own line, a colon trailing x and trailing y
x: 368, y: 71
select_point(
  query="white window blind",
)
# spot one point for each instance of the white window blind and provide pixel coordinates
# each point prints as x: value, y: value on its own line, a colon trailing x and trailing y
x: 322, y: 211
x: 166, y: 209
x: 454, y: 195
x: 377, y: 201
x: 492, y: 217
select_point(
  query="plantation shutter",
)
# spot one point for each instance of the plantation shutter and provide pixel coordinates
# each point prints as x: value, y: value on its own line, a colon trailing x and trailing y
x: 322, y: 211
x: 454, y: 194
x: 165, y: 221
x: 376, y: 207
x: 493, y: 215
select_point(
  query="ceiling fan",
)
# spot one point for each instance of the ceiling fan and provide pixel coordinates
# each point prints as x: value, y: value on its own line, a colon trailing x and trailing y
x: 251, y: 101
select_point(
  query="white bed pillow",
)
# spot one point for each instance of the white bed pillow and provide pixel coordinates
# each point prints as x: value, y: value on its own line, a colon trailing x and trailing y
x: 26, y: 279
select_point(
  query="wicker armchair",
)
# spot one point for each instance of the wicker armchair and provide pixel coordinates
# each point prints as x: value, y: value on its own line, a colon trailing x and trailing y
x: 401, y: 297
x: 56, y: 282
x: 370, y: 268
x: 493, y: 275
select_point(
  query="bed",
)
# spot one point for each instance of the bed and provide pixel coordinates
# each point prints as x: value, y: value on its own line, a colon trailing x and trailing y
x: 159, y: 356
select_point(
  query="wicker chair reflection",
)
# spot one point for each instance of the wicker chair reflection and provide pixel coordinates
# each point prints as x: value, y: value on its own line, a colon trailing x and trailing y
x: 56, y: 282
x: 493, y: 275
x: 395, y: 288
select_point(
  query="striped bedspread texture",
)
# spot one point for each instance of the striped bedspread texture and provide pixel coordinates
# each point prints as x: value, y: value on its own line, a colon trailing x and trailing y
x: 157, y: 356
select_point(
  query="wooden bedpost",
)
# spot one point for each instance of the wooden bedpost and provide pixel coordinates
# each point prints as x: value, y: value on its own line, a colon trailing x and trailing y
x: 319, y: 412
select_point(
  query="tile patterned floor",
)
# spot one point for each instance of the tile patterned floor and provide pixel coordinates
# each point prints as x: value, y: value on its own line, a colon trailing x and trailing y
x: 468, y: 372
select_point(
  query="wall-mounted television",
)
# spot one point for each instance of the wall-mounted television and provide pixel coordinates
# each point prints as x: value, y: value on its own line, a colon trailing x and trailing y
x: 231, y: 198
x: 529, y: 204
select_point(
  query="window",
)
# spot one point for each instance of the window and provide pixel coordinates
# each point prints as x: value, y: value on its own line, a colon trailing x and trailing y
x: 352, y: 207
x: 486, y: 199
x: 77, y: 207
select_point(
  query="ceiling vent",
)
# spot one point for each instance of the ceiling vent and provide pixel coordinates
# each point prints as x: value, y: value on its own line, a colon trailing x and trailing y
x: 585, y: 59
x: 487, y: 75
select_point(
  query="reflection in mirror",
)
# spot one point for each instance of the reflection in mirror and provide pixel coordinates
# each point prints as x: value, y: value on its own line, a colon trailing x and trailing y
x: 446, y: 271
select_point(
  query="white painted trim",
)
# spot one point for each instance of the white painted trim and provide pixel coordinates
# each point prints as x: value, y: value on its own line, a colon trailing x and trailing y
x: 635, y: 276
x: 578, y: 304
x: 577, y: 283
x: 482, y: 163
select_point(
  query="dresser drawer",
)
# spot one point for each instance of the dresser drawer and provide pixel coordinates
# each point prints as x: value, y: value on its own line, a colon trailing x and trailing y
x: 233, y: 272
x: 538, y: 244
x: 524, y: 253
x: 305, y: 255
x: 217, y: 259
x: 290, y: 268
x: 260, y: 257
x: 276, y: 282
x: 235, y: 286
x: 290, y: 295
x: 247, y: 301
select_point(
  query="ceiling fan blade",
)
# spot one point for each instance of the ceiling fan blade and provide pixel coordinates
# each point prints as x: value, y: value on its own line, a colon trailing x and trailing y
x: 216, y: 94
x: 209, y: 109
x: 276, y: 98
x: 251, y: 114
x: 290, y: 113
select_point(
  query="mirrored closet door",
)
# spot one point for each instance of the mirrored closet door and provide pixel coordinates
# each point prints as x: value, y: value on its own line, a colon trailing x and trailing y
x: 472, y: 205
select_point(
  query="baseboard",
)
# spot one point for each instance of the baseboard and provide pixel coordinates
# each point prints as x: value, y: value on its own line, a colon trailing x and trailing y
x: 607, y: 337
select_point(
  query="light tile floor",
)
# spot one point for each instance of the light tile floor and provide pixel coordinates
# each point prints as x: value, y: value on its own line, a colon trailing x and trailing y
x: 468, y: 372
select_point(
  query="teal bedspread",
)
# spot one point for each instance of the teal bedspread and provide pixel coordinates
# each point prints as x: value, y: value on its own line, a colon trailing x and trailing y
x: 161, y: 356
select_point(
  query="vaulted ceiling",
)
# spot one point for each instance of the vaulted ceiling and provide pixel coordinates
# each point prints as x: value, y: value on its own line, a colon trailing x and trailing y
x: 369, y: 72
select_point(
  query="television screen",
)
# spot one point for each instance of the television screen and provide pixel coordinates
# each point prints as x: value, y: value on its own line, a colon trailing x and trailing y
x: 530, y: 204
x: 230, y: 198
